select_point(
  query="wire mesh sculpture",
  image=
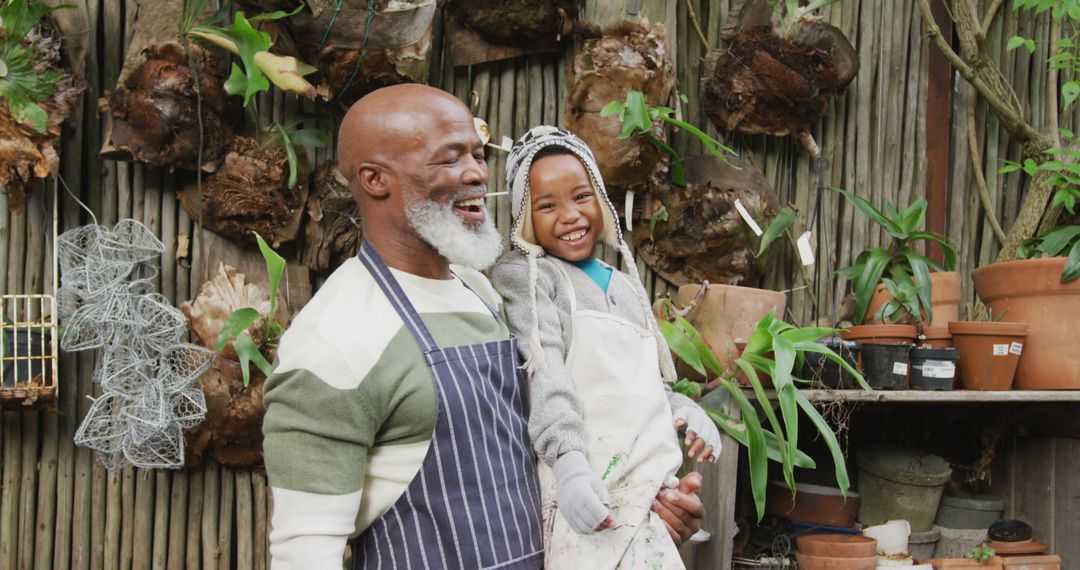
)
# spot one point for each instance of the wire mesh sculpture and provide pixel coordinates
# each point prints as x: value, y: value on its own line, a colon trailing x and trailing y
x: 107, y: 302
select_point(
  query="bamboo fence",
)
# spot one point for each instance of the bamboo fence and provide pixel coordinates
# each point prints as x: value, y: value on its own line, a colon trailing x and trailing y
x: 59, y: 509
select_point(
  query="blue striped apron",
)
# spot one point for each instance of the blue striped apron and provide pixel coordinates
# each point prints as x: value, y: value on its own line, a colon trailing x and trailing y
x: 475, y: 502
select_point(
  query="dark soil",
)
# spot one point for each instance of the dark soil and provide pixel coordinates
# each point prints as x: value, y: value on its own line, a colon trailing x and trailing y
x: 705, y: 238
x: 249, y: 192
x: 764, y: 84
x: 232, y: 432
x: 26, y: 153
x: 154, y: 110
x: 332, y: 233
x: 628, y: 57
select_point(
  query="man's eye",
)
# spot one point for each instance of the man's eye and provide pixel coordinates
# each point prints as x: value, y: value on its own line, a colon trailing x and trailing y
x: 480, y: 157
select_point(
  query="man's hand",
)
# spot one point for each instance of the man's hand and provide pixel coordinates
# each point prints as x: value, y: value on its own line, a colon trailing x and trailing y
x: 681, y: 509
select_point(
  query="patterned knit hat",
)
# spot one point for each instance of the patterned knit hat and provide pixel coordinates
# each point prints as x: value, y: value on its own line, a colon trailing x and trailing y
x: 518, y: 166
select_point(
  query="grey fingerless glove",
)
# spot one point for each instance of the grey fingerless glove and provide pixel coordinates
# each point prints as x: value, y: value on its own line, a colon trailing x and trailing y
x: 701, y: 424
x: 583, y: 499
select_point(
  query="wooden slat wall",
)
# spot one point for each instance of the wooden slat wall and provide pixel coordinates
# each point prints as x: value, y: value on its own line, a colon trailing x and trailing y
x: 60, y: 509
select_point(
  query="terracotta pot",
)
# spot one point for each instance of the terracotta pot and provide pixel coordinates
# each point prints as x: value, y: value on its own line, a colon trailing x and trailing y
x: 811, y: 562
x: 989, y: 353
x: 812, y: 504
x: 938, y: 337
x: 727, y: 314
x: 764, y: 379
x: 944, y: 300
x: 881, y: 334
x: 994, y: 563
x: 1030, y: 291
x: 1021, y: 548
x: 837, y: 545
x: 1047, y: 562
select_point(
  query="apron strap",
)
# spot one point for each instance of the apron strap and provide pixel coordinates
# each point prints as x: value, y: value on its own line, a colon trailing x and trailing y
x: 392, y: 289
x: 490, y: 309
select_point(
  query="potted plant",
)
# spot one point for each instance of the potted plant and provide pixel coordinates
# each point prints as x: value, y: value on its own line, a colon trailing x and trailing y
x: 1042, y: 290
x: 981, y: 557
x: 773, y: 350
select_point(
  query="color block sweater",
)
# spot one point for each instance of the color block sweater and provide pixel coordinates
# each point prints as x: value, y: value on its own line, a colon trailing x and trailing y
x: 351, y: 405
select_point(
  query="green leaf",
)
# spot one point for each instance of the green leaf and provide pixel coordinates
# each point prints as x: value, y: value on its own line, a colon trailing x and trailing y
x: 705, y: 354
x: 678, y: 176
x: 1030, y: 167
x: 1072, y: 264
x: 776, y: 228
x: 660, y: 215
x: 687, y: 388
x: 290, y: 153
x: 1055, y: 241
x: 1070, y: 91
x: 237, y: 323
x: 237, y: 83
x: 756, y: 449
x: 275, y: 268
x: 871, y: 212
x: 276, y: 15
x: 1010, y: 166
x: 839, y: 466
x: 681, y: 345
x: 636, y: 115
x: 613, y: 108
x: 867, y: 281
x: 310, y: 137
x: 737, y: 430
x: 248, y: 353
x: 1017, y: 41
x: 248, y: 41
x: 921, y: 274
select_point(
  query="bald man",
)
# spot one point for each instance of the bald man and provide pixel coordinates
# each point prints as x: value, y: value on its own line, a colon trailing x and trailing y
x: 396, y: 412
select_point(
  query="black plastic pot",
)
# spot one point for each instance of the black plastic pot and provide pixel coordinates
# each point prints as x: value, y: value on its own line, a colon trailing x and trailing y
x: 821, y: 370
x: 28, y: 344
x: 886, y: 365
x: 933, y: 368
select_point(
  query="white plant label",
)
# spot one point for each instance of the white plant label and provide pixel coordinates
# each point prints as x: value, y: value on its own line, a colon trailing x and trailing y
x: 507, y: 143
x: 899, y: 368
x: 1016, y: 348
x: 629, y: 207
x: 1001, y: 350
x: 746, y: 217
x: 806, y: 253
x: 940, y: 370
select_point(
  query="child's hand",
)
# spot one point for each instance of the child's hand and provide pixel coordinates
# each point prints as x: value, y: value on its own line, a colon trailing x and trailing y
x: 583, y: 499
x: 702, y: 436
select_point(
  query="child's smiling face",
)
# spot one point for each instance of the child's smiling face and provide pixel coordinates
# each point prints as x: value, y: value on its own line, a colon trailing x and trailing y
x: 566, y: 213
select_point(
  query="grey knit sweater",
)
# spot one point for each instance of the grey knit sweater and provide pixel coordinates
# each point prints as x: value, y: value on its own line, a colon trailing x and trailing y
x: 555, y: 423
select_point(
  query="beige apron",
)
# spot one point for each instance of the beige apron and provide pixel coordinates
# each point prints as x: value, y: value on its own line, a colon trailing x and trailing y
x: 631, y: 443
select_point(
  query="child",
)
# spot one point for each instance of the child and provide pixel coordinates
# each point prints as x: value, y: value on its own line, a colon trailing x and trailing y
x: 602, y: 419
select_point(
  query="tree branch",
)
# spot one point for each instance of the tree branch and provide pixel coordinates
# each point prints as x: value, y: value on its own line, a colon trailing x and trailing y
x: 988, y: 19
x: 980, y: 178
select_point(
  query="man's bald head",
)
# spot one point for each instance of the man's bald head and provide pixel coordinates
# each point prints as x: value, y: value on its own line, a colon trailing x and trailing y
x: 391, y: 121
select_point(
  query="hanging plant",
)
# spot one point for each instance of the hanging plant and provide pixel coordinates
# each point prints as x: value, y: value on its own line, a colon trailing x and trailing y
x: 480, y: 31
x: 332, y: 233
x: 629, y: 57
x: 357, y: 45
x: 37, y: 94
x: 711, y: 241
x: 780, y: 67
x: 243, y: 322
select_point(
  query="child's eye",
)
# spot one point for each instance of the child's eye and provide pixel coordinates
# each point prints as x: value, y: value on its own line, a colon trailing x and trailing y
x: 545, y: 207
x: 583, y: 196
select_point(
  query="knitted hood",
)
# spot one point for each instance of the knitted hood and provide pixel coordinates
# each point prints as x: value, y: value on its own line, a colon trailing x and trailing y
x: 522, y: 237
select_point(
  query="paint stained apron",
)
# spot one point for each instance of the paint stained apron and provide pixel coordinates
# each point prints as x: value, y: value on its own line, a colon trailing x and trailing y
x: 630, y: 440
x: 474, y: 502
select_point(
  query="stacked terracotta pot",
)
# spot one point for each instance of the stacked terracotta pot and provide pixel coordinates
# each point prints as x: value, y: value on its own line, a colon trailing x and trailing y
x: 836, y: 552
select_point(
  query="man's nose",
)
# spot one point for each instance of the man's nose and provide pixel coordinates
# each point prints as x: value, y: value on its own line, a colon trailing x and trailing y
x: 476, y: 171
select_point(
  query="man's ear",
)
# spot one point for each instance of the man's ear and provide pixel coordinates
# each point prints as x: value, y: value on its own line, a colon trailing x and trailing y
x: 373, y: 180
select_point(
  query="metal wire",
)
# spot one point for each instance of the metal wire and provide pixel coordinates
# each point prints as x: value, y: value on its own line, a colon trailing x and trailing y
x: 107, y: 302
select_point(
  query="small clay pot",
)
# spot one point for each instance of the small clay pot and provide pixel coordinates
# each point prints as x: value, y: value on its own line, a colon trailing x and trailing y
x: 881, y: 334
x: 966, y: 564
x: 811, y: 562
x: 816, y: 504
x: 989, y: 352
x: 837, y: 545
x: 938, y: 337
x: 1046, y: 562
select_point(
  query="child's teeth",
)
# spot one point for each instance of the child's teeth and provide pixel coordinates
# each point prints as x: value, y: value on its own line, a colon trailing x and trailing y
x: 576, y: 235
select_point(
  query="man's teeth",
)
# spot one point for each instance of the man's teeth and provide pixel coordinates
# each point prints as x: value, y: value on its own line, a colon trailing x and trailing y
x: 479, y: 202
x: 574, y: 235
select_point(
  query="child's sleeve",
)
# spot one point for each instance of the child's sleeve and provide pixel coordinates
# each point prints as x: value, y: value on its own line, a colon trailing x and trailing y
x: 555, y: 423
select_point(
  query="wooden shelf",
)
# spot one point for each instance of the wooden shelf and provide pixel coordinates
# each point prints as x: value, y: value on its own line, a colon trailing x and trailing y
x: 957, y: 396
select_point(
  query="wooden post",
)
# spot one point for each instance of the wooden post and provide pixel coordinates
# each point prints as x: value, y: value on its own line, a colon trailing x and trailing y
x: 938, y: 124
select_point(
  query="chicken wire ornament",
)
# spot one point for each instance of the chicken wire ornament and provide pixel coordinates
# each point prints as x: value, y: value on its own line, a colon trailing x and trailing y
x: 107, y: 302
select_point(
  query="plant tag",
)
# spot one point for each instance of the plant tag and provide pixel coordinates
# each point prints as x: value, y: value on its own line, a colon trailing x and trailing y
x: 746, y: 217
x: 806, y: 253
x: 1016, y: 348
x: 899, y: 368
x: 507, y: 143
x: 629, y: 207
x: 940, y: 370
x: 1001, y: 350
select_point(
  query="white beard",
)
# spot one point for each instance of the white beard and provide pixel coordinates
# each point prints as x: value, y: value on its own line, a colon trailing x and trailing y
x: 476, y: 246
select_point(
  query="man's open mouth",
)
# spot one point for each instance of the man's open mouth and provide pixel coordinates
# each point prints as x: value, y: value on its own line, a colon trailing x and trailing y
x: 471, y: 209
